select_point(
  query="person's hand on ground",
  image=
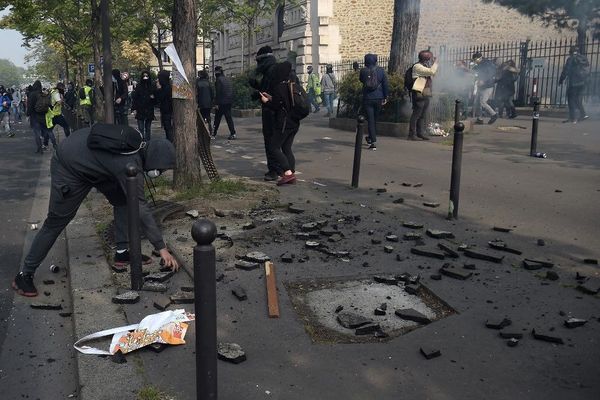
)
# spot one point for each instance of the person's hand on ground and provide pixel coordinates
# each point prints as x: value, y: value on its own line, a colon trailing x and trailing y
x: 169, y: 260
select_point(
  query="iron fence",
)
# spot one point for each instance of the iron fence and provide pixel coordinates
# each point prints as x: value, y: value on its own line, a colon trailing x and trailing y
x: 540, y: 64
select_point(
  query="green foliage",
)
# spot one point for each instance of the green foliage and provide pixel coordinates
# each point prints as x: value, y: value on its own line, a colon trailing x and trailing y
x: 10, y: 74
x: 151, y: 393
x: 562, y: 14
x: 242, y: 93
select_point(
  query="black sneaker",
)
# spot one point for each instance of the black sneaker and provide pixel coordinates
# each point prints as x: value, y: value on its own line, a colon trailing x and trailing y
x: 584, y: 118
x: 232, y: 137
x: 121, y: 261
x: 368, y: 140
x: 373, y: 146
x: 422, y: 137
x: 493, y: 119
x: 271, y: 176
x: 23, y: 284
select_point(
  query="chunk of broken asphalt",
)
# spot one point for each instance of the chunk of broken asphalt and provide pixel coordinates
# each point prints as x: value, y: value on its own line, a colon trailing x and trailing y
x: 501, y: 229
x: 295, y: 209
x: 129, y: 297
x: 193, y: 213
x: 379, y: 311
x: 482, y: 256
x: 438, y: 234
x: 512, y: 342
x: 412, y: 236
x: 447, y: 250
x: 427, y: 252
x: 231, y: 352
x: 154, y: 287
x: 412, y: 225
x: 367, y: 329
x: 257, y: 256
x: 429, y: 352
x: 381, y: 190
x: 386, y: 279
x: 48, y: 281
x: 338, y: 309
x: 391, y: 238
x: 455, y: 273
x: 182, y: 298
x: 309, y: 226
x: 287, y: 258
x: 388, y: 249
x: 431, y: 204
x: 590, y: 286
x: 495, y: 324
x: 159, y: 276
x: 375, y: 241
x: 591, y: 261
x: 410, y: 314
x: 575, y: 322
x: 551, y: 275
x: 510, y: 335
x: 544, y: 264
x: 546, y: 337
x: 352, y: 321
x: 436, y: 277
x: 399, y: 200
x: 162, y: 302
x: 248, y: 226
x: 500, y: 245
x: 239, y: 293
x: 246, y: 265
x: 411, y: 289
x: 46, y: 306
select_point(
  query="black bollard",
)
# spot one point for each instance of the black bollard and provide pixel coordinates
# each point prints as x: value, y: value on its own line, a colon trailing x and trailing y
x: 204, y: 233
x: 133, y: 224
x: 457, y: 105
x: 360, y: 127
x: 534, y: 129
x: 456, y: 167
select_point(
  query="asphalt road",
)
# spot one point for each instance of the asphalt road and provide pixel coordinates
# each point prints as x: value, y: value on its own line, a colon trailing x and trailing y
x: 36, y: 356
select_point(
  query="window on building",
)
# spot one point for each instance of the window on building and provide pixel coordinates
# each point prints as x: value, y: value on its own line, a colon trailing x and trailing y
x: 165, y: 57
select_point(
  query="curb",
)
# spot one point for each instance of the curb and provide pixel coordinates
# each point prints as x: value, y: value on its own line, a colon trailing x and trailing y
x: 92, y: 289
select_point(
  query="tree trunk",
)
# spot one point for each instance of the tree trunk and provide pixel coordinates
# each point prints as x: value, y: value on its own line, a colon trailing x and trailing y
x: 187, y: 172
x: 159, y: 50
x: 404, y: 34
x: 66, y: 77
x: 98, y: 98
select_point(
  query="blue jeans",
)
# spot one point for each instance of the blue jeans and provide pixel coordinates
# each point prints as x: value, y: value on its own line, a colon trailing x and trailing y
x: 328, y: 100
x: 145, y: 127
x: 312, y: 98
x: 371, y: 109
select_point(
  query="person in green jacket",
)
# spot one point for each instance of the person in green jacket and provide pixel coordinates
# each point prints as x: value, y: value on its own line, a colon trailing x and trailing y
x: 313, y: 88
x: 86, y: 102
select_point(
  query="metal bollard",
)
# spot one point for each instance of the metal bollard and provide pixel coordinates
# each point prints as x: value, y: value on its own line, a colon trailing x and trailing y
x: 133, y: 224
x: 204, y: 233
x: 457, y: 105
x: 360, y: 127
x: 534, y: 128
x: 456, y: 168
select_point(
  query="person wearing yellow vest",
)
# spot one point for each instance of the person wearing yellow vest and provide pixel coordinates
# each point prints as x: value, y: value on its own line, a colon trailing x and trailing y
x: 86, y: 97
x: 54, y: 114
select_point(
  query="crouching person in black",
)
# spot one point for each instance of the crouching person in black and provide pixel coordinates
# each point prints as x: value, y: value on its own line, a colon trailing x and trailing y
x: 277, y: 98
x: 97, y: 157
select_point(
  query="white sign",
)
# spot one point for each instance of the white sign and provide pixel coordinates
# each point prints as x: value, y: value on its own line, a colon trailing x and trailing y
x: 538, y: 63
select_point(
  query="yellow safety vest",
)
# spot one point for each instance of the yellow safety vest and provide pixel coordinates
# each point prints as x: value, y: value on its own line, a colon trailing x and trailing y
x: 88, y: 98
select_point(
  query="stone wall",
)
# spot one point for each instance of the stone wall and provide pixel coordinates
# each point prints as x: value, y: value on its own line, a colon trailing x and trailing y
x: 366, y: 26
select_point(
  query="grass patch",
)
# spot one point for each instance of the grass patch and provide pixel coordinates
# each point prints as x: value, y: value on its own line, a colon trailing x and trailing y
x: 151, y: 393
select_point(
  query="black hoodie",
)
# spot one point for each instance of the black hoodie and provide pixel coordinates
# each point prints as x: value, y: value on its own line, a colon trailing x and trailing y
x: 164, y: 97
x: 143, y: 99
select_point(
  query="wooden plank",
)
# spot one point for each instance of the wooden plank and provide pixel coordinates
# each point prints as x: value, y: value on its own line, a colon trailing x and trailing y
x: 272, y: 299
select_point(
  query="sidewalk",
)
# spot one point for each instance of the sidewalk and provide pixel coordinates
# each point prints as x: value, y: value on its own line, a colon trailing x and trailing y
x: 293, y: 358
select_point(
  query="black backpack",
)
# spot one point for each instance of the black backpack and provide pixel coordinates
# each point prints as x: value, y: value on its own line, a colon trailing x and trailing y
x: 372, y: 80
x: 116, y: 139
x: 82, y: 94
x: 299, y: 103
x: 408, y: 79
x: 43, y: 103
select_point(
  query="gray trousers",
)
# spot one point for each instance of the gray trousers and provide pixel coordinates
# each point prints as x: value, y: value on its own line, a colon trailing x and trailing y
x: 481, y: 102
x: 67, y: 192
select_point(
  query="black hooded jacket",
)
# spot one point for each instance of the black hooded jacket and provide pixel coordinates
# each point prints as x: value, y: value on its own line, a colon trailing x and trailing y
x: 119, y: 88
x: 223, y: 90
x: 143, y: 99
x: 164, y: 97
x: 264, y: 69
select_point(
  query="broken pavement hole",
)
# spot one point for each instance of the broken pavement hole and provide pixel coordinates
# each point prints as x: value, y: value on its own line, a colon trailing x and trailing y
x: 315, y: 302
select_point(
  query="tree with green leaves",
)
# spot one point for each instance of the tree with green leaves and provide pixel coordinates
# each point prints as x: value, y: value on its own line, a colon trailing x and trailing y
x: 10, y: 74
x: 576, y: 15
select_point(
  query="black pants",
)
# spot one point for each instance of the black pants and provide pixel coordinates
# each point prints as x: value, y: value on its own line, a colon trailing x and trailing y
x: 420, y: 104
x: 575, y: 100
x: 224, y: 110
x: 120, y: 115
x: 372, y: 109
x: 268, y: 125
x: 145, y: 127
x: 506, y: 102
x: 280, y: 146
x: 166, y: 120
x: 205, y: 112
x: 60, y: 120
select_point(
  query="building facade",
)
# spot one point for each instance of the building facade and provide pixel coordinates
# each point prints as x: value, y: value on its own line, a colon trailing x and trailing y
x: 318, y: 32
